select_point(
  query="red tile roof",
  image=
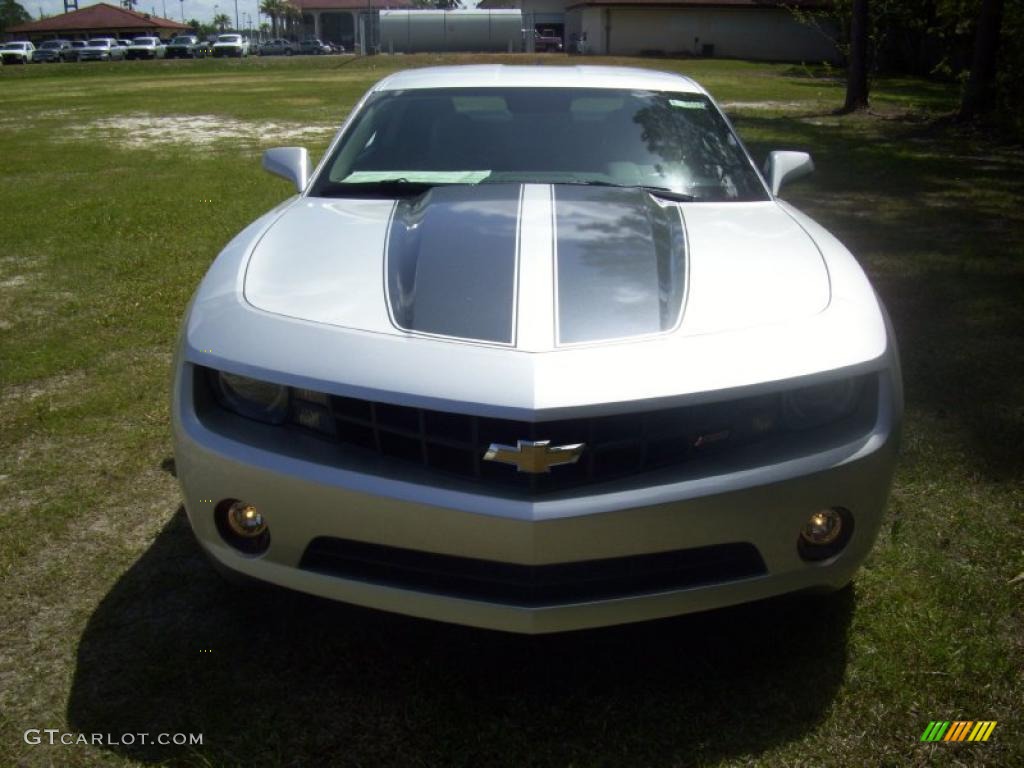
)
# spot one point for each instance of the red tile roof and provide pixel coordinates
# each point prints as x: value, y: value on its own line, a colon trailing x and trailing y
x: 99, y: 17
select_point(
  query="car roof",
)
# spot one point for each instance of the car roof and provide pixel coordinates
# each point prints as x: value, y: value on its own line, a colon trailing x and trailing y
x: 502, y: 75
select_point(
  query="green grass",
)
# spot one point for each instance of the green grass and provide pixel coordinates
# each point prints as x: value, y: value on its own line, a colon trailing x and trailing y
x: 106, y: 603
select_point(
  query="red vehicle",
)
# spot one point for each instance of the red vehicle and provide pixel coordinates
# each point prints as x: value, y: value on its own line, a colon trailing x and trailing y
x: 547, y: 41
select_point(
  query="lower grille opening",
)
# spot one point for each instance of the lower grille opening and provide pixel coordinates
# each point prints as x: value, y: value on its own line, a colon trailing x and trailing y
x: 532, y: 585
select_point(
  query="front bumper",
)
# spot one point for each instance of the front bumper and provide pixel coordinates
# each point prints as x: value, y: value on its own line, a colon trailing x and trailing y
x: 304, y: 500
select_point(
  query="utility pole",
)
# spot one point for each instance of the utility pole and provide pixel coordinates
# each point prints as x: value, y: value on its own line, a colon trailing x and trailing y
x: 236, y: 15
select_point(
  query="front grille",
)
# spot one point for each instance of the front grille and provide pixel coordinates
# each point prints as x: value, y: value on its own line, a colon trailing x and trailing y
x: 532, y: 585
x: 614, y: 446
x: 454, y: 444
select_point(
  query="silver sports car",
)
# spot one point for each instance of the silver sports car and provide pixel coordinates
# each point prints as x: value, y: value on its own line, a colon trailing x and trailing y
x: 537, y: 349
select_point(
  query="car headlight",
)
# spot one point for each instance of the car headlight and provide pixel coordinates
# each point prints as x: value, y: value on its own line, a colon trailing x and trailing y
x: 260, y: 400
x: 821, y: 403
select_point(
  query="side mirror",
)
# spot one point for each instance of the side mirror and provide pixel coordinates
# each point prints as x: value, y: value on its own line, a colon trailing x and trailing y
x: 784, y: 167
x: 290, y: 163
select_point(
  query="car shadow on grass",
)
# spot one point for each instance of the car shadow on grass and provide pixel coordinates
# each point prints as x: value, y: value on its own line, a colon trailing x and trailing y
x: 935, y: 220
x: 273, y: 677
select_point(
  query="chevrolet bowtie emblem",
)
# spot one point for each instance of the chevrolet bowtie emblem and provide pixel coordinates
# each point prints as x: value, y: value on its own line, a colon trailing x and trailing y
x: 534, y: 457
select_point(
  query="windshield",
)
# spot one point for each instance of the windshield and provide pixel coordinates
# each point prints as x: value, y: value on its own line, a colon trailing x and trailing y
x: 229, y: 39
x: 669, y: 141
x: 144, y: 41
x: 181, y: 40
x: 52, y: 44
x: 15, y: 47
x: 99, y: 43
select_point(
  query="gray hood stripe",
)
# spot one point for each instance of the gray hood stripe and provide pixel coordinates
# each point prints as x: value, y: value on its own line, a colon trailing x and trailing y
x: 616, y: 257
x: 451, y: 262
x: 620, y: 264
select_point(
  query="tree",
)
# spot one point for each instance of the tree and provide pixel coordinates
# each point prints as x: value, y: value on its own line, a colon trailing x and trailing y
x: 12, y: 13
x: 857, y: 65
x: 194, y: 24
x: 272, y: 9
x: 448, y: 5
x: 980, y: 94
x: 292, y: 15
x: 221, y: 21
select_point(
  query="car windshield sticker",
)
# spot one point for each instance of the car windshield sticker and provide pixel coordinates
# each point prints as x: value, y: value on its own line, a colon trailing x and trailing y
x: 416, y: 177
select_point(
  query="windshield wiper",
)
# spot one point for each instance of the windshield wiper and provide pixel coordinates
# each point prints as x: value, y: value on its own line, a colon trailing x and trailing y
x: 663, y: 192
x: 383, y: 188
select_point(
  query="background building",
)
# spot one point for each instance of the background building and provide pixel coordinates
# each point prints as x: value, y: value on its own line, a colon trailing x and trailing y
x: 742, y: 29
x: 100, y: 20
x: 351, y: 23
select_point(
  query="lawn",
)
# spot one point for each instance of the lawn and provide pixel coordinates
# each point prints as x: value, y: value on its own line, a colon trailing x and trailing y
x: 120, y: 184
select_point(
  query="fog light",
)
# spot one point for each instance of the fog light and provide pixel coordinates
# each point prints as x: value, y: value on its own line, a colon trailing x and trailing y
x: 825, y: 533
x: 245, y: 520
x: 242, y: 526
x: 823, y: 527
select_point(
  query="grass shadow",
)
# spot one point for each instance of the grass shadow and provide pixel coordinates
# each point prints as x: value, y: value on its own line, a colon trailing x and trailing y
x: 277, y: 678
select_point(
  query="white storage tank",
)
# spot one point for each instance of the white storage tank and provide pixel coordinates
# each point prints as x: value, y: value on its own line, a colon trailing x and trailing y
x: 462, y: 30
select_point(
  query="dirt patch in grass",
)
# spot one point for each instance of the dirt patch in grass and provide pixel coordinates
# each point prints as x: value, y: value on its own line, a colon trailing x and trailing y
x: 148, y: 131
x: 775, y: 106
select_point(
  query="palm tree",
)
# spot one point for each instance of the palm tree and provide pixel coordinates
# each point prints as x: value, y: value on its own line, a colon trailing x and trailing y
x: 272, y: 9
x: 221, y: 21
x: 292, y: 14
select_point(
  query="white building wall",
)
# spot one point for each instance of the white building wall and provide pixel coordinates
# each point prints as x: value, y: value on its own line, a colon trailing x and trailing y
x: 592, y: 25
x: 770, y: 34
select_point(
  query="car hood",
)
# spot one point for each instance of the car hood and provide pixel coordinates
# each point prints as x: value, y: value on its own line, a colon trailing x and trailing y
x: 535, y: 266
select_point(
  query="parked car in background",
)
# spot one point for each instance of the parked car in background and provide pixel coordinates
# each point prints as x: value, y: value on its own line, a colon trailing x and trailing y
x: 231, y: 45
x: 314, y: 46
x: 277, y: 47
x: 17, y: 53
x: 101, y: 49
x: 183, y: 47
x: 204, y: 49
x: 616, y: 380
x: 146, y: 48
x: 124, y: 43
x: 71, y: 53
x: 546, y: 40
x: 51, y: 50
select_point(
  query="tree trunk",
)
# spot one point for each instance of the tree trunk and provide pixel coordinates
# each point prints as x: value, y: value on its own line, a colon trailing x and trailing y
x: 857, y: 67
x: 979, y: 96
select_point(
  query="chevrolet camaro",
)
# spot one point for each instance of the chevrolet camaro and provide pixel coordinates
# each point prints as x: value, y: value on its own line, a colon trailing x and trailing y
x: 536, y: 349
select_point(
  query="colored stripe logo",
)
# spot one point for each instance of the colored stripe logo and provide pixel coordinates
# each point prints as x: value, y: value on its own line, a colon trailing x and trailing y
x: 958, y: 730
